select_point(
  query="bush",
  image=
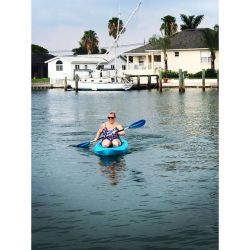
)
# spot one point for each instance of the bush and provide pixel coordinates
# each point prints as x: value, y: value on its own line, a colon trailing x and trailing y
x: 197, y: 75
x: 169, y: 74
x: 209, y: 73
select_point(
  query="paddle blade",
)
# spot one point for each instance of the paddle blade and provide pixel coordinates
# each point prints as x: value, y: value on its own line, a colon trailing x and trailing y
x: 83, y: 145
x: 137, y: 124
x: 86, y: 144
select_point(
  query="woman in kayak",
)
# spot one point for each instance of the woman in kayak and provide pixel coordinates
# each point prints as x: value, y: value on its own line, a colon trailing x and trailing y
x: 111, y: 130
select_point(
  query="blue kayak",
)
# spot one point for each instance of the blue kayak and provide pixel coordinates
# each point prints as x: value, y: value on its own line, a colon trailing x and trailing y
x: 122, y: 149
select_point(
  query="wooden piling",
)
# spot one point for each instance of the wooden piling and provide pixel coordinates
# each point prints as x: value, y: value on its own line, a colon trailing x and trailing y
x: 76, y: 82
x: 157, y: 81
x: 65, y: 83
x: 160, y: 82
x: 138, y: 82
x: 149, y: 82
x: 181, y: 82
x: 218, y: 79
x: 203, y: 80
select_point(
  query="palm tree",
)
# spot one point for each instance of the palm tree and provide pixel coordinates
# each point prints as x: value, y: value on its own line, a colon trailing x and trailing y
x: 212, y: 41
x: 90, y: 41
x: 169, y: 26
x: 161, y: 43
x: 190, y: 22
x: 113, y: 26
x: 80, y: 50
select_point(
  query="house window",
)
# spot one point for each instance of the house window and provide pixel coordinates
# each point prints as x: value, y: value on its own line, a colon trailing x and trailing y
x: 205, y: 57
x: 141, y: 59
x: 176, y: 54
x: 85, y: 66
x: 123, y: 67
x: 157, y: 58
x: 130, y: 59
x: 112, y: 66
x: 100, y: 67
x: 77, y: 66
x: 59, y: 66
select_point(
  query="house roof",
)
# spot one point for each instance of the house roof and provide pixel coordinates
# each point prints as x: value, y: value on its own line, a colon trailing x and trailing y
x: 141, y: 49
x: 186, y: 39
x: 92, y: 58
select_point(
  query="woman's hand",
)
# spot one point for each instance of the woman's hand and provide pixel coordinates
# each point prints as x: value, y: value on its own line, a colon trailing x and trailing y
x: 115, y: 131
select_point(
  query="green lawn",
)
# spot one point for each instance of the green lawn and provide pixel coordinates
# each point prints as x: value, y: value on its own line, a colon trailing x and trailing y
x: 40, y: 80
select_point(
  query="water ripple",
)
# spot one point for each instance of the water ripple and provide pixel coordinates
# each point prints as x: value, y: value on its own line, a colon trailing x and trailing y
x: 163, y: 194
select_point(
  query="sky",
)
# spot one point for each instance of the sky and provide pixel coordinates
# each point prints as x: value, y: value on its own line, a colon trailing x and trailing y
x: 59, y: 24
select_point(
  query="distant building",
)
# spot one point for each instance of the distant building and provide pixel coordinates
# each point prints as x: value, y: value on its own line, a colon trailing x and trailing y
x: 188, y: 51
x: 39, y: 69
x: 69, y: 66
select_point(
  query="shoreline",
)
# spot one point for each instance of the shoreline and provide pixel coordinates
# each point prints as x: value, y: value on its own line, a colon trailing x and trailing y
x: 172, y: 83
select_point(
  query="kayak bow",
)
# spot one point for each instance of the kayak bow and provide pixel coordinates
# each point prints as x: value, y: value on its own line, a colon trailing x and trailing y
x: 122, y: 149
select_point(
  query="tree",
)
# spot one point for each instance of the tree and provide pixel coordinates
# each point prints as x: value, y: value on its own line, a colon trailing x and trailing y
x: 113, y: 26
x: 190, y: 22
x: 83, y: 51
x: 212, y: 41
x: 38, y: 50
x: 90, y: 41
x: 169, y: 26
x: 79, y: 51
x: 161, y: 43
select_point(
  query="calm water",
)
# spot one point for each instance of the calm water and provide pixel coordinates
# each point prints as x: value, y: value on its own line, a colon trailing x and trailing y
x: 163, y: 194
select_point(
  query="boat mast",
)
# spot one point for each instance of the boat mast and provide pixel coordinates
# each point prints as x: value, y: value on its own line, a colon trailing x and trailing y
x: 116, y: 45
x: 118, y: 36
x: 131, y: 15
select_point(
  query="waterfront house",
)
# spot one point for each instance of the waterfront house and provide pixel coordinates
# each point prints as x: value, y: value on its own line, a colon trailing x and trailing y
x: 188, y: 51
x: 69, y: 66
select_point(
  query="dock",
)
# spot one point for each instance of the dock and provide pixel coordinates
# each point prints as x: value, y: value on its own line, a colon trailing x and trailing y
x: 153, y: 81
x: 144, y: 82
x: 45, y: 86
x: 41, y: 86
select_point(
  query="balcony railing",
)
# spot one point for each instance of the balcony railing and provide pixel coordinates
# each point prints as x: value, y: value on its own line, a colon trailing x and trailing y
x: 143, y: 66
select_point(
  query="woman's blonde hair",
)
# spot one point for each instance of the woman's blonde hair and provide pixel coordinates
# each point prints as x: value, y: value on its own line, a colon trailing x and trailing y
x: 112, y: 113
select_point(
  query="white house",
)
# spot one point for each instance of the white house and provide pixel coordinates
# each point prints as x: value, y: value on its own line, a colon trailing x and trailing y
x: 188, y: 51
x: 68, y: 66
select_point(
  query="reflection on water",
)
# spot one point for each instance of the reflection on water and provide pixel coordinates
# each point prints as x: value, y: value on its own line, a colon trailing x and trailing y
x: 162, y: 194
x: 111, y: 167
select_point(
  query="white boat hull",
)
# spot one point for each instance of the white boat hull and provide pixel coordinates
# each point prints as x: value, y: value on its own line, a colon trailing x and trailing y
x: 100, y: 86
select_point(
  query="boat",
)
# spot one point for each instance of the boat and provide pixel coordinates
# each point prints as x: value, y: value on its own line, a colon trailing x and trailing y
x: 97, y: 80
x: 101, y: 83
x: 100, y: 150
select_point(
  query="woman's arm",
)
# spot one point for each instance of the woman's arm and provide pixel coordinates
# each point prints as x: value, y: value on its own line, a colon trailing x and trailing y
x: 99, y: 132
x: 121, y: 130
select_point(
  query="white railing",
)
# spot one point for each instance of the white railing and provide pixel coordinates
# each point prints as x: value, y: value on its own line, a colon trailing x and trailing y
x: 57, y: 82
x: 157, y: 65
x: 137, y: 66
x: 140, y: 66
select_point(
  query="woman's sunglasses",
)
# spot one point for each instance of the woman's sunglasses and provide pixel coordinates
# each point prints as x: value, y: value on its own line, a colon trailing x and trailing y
x: 110, y: 117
